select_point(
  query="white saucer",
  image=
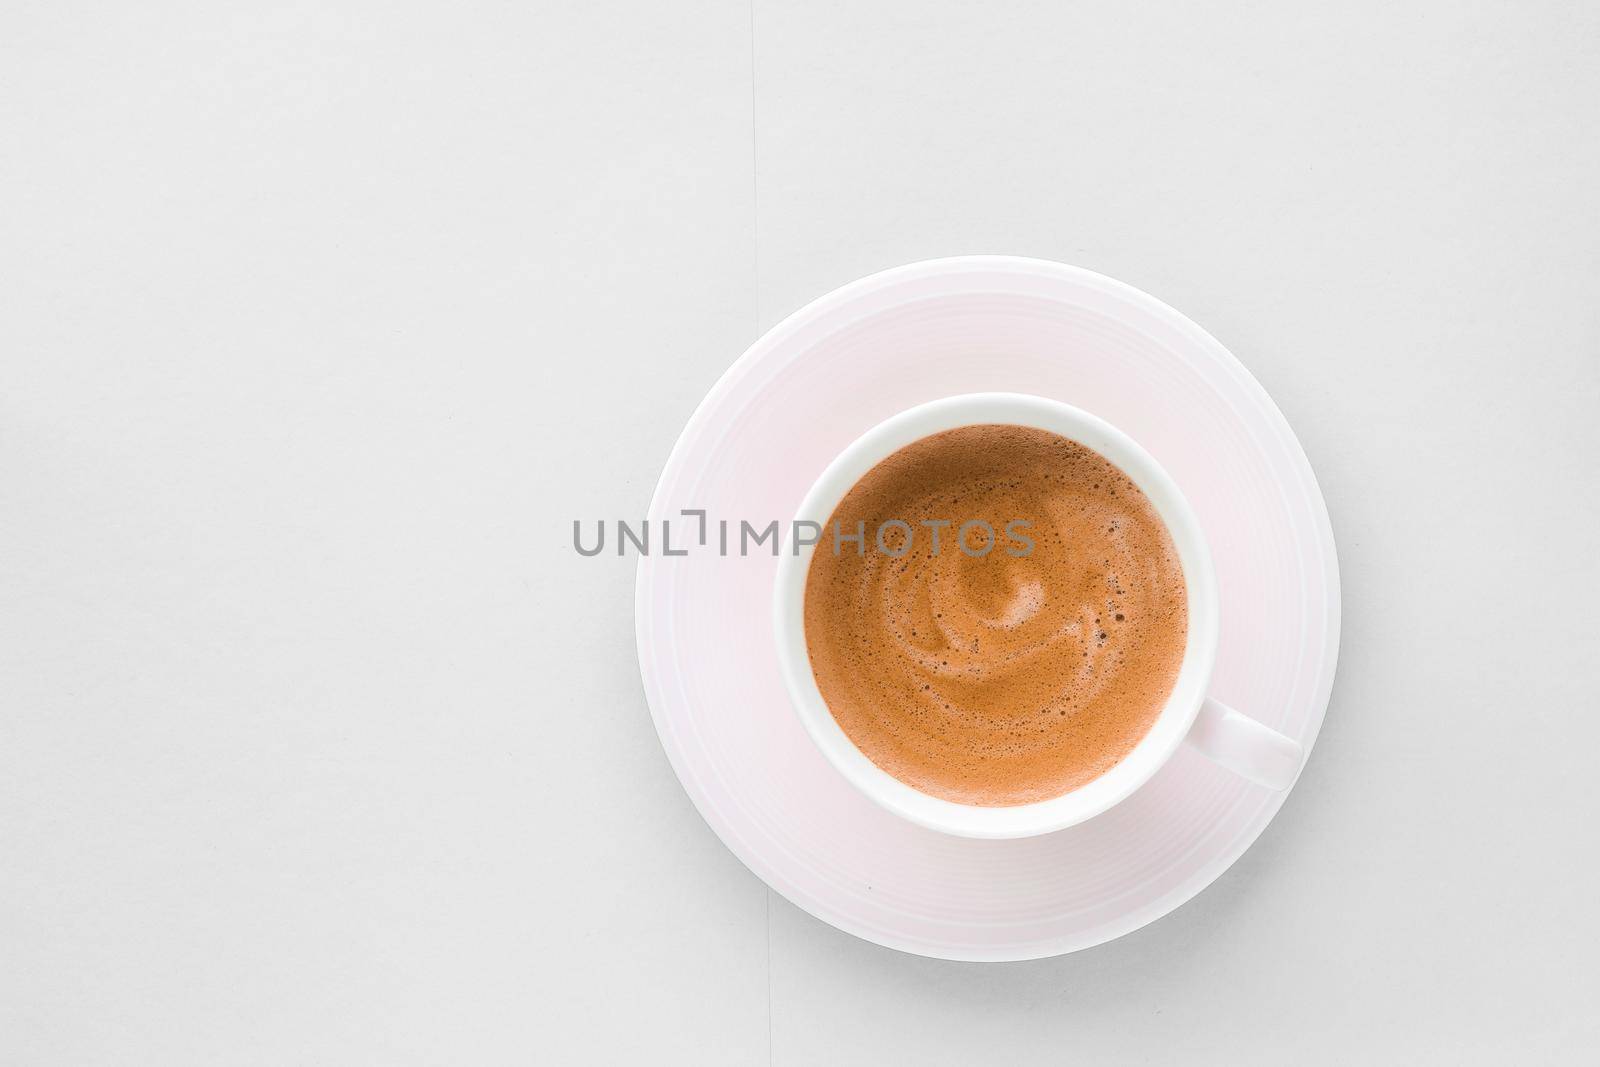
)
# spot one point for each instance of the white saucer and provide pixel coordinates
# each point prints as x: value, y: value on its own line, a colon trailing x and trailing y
x: 786, y: 408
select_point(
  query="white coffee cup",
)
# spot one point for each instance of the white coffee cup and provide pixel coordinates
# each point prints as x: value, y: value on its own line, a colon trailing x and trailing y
x: 1233, y: 740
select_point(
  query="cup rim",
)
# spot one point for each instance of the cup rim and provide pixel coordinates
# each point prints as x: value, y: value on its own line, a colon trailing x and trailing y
x: 1183, y: 702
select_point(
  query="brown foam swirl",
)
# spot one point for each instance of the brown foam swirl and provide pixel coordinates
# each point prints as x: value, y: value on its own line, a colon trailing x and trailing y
x: 1015, y: 675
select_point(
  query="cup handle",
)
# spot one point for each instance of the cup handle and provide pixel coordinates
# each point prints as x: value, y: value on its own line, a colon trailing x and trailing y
x: 1244, y: 746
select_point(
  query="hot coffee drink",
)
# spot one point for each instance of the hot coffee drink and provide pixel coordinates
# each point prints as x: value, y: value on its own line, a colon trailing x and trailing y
x: 995, y: 615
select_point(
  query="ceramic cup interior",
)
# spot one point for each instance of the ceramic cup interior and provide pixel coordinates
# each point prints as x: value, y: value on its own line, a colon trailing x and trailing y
x: 1176, y: 717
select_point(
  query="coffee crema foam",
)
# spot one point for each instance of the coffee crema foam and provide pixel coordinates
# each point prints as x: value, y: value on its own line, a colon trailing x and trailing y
x: 998, y: 679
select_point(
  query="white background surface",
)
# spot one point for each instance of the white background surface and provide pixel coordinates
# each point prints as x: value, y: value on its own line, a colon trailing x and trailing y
x: 320, y: 322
